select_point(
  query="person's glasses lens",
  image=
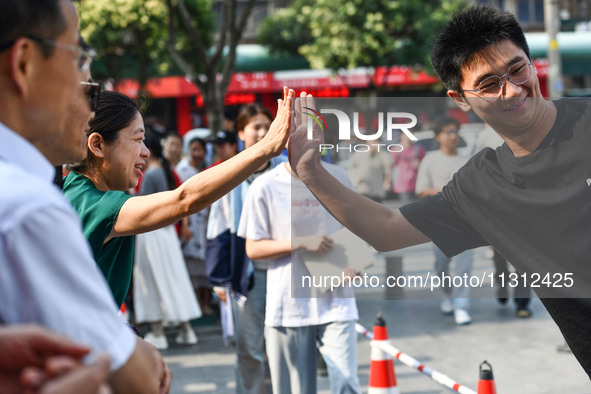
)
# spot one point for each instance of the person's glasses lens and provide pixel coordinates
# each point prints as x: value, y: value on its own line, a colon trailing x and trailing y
x: 491, y: 87
x: 517, y: 74
x: 85, y: 56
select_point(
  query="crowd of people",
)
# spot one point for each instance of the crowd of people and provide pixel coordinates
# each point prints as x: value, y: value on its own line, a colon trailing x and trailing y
x: 244, y: 223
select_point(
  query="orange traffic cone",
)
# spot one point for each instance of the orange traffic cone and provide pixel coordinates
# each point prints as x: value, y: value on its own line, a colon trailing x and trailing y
x: 382, y: 379
x: 486, y: 384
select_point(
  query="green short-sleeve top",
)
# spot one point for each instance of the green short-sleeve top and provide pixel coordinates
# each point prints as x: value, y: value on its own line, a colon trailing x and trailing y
x: 98, y: 211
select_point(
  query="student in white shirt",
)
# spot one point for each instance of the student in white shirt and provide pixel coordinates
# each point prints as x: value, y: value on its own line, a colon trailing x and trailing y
x: 279, y: 214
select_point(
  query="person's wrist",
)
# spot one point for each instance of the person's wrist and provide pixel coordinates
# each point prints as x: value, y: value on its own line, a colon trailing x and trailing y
x: 307, y: 171
x: 264, y: 149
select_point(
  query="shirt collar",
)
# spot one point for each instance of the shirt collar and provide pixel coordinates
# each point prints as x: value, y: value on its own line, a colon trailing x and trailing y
x: 20, y: 152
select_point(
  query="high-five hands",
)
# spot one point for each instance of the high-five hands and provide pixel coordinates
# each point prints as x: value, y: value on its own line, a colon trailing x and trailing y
x: 304, y: 153
x: 278, y: 134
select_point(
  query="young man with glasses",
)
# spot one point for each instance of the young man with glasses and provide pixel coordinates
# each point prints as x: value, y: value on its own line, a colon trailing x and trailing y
x: 48, y: 275
x: 529, y: 198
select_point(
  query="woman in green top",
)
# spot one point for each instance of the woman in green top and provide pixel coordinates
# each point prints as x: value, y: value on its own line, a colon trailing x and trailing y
x: 115, y: 162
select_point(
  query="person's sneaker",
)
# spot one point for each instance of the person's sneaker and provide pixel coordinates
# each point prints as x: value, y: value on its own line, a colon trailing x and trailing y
x: 187, y: 338
x: 462, y: 317
x: 447, y: 306
x: 522, y: 311
x: 159, y: 341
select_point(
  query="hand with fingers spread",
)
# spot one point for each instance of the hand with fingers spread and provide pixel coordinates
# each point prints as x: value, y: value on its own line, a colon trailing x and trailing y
x: 278, y: 134
x: 304, y: 152
x: 314, y: 243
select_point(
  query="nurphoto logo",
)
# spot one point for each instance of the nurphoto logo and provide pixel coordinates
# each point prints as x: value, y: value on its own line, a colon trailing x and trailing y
x: 387, y: 122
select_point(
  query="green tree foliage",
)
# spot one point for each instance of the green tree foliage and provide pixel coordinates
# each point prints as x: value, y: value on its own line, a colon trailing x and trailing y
x: 131, y: 35
x: 288, y: 29
x: 210, y: 67
x: 342, y: 34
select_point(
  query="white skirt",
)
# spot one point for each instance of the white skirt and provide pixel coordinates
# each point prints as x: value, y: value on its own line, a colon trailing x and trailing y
x: 162, y: 290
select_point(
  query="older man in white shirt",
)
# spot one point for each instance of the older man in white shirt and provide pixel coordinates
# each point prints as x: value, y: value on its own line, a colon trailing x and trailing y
x: 47, y: 273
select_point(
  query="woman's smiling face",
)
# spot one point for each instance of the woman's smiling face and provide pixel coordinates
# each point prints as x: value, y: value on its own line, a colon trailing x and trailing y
x: 125, y: 158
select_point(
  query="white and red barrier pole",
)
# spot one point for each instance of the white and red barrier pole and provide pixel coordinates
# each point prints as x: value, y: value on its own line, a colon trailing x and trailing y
x: 404, y: 358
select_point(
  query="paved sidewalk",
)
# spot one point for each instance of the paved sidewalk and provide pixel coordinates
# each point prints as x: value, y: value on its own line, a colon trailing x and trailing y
x: 522, y: 352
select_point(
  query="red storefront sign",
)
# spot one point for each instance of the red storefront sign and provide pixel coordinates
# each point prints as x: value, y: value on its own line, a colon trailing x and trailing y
x: 268, y: 82
x: 311, y: 80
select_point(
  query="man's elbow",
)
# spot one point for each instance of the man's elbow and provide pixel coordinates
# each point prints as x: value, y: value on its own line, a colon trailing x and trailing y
x: 382, y: 247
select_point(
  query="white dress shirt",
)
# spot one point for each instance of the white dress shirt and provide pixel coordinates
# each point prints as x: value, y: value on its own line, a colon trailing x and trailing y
x: 47, y: 273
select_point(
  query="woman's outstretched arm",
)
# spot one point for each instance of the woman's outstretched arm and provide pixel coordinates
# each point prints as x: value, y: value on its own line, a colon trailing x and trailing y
x: 146, y: 213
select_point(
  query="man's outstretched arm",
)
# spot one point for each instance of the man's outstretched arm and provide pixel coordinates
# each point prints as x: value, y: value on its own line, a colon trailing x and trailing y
x: 381, y: 227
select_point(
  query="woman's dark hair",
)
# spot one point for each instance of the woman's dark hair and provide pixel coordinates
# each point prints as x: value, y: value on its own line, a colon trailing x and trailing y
x: 468, y: 33
x: 115, y: 112
x: 154, y: 144
x: 247, y: 112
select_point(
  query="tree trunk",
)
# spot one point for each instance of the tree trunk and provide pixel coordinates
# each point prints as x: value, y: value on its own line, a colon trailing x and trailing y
x: 142, y: 76
x: 213, y: 90
x: 214, y: 105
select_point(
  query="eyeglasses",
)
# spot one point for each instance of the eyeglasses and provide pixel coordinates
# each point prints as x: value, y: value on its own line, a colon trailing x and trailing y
x: 492, y: 87
x: 85, y: 56
x: 93, y: 93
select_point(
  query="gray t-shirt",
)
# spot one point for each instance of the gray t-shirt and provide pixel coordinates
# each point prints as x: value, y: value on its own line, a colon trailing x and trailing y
x: 154, y: 181
x: 535, y: 210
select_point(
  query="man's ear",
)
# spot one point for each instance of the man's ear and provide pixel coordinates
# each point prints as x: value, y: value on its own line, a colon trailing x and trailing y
x: 96, y: 145
x: 459, y: 100
x: 21, y: 58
